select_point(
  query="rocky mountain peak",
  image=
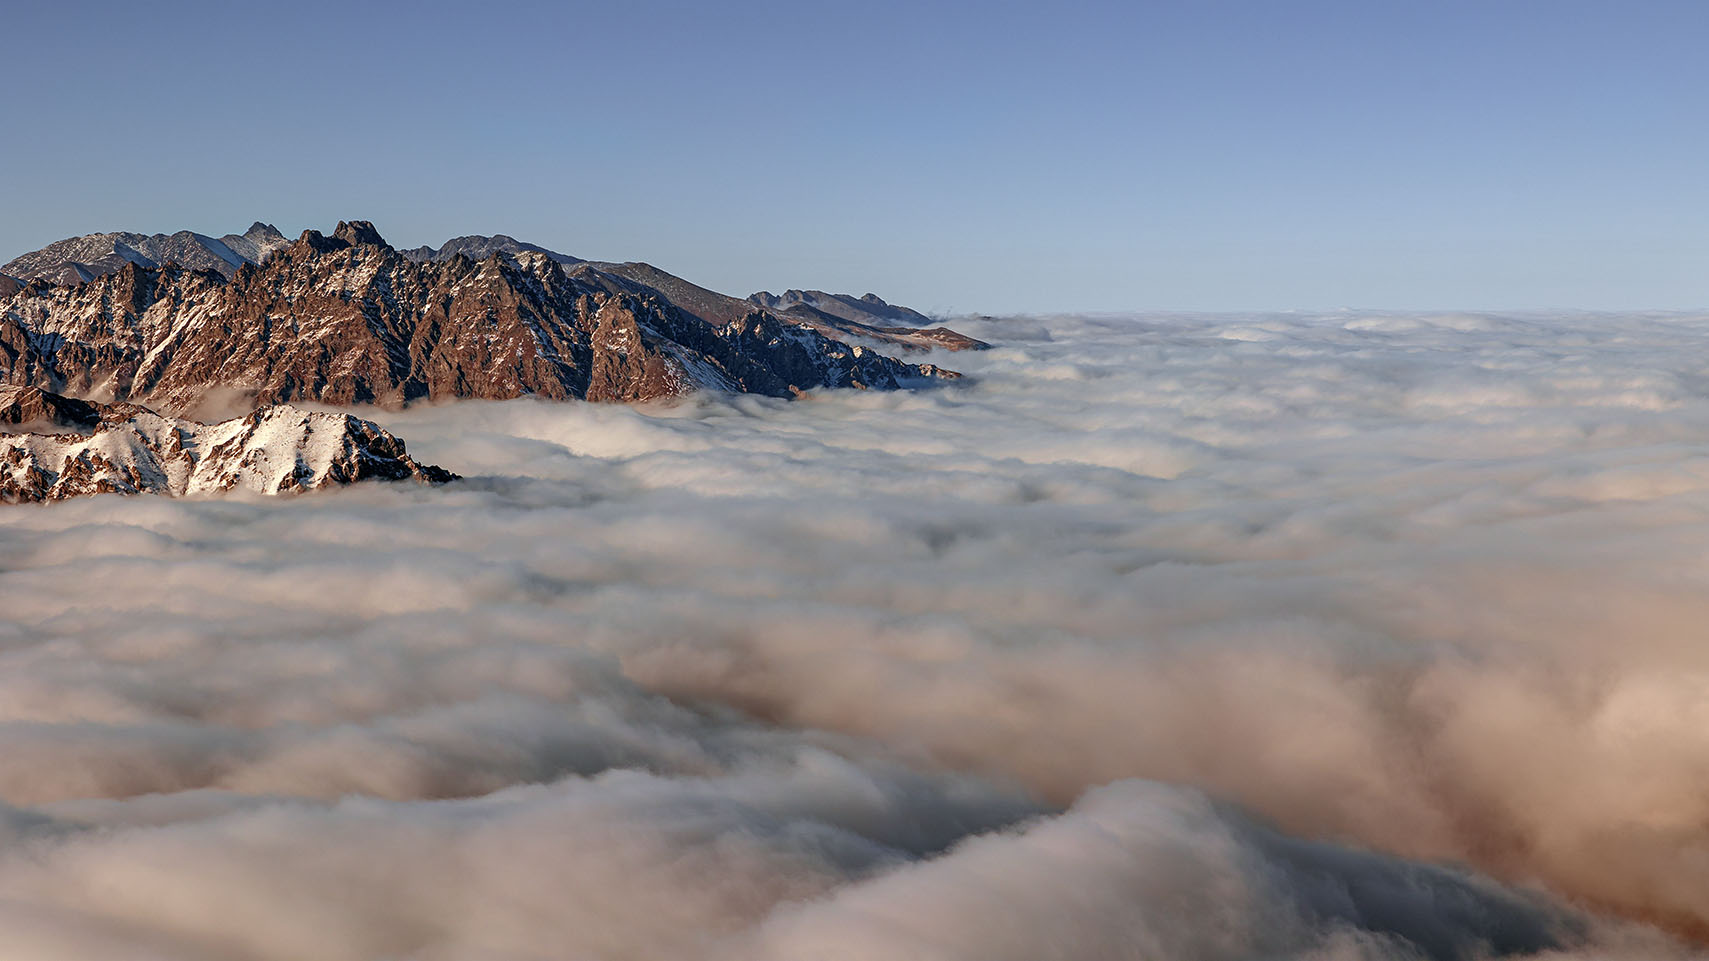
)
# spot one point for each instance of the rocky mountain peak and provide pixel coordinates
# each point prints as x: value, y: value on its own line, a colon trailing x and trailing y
x: 353, y: 233
x: 479, y: 247
x: 317, y: 242
x: 356, y: 232
x: 254, y: 245
x: 128, y: 449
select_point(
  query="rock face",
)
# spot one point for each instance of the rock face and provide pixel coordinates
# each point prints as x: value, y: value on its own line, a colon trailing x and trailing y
x: 870, y: 319
x: 132, y: 450
x: 33, y: 407
x: 79, y: 259
x: 346, y: 319
x: 838, y: 316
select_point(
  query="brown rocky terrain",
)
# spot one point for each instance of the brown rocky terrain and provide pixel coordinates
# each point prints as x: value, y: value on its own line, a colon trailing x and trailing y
x: 865, y: 318
x: 347, y: 319
x: 837, y: 316
x: 128, y: 449
x: 34, y: 407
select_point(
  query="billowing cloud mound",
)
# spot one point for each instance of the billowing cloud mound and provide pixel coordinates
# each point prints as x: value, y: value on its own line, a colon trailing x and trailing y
x: 1351, y: 636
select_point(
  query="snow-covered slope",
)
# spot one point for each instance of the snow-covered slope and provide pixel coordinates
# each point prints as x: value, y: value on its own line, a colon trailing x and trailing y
x: 78, y: 259
x: 132, y: 450
x: 257, y: 243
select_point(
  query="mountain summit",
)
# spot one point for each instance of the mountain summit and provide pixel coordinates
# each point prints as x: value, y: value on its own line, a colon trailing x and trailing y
x: 78, y: 259
x: 866, y: 318
x: 346, y: 319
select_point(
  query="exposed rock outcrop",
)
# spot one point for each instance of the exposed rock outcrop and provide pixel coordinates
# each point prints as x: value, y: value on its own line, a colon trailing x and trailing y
x: 477, y: 247
x: 132, y: 450
x: 34, y: 407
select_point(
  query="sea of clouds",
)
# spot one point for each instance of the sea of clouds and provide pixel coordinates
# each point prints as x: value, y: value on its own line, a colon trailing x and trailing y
x: 1168, y: 637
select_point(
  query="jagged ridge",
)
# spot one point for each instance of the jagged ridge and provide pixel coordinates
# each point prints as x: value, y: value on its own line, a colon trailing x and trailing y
x: 866, y: 309
x: 132, y: 450
x: 837, y: 316
x: 79, y: 259
x: 716, y: 308
x: 477, y: 247
x: 347, y: 319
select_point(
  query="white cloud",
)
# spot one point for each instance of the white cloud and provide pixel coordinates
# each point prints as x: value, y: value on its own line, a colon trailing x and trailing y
x: 833, y: 678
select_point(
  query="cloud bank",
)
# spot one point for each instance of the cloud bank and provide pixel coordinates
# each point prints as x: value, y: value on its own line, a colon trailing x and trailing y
x: 1339, y: 636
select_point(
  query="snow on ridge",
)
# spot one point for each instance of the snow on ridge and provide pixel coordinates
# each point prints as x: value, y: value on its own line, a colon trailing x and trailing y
x: 274, y: 450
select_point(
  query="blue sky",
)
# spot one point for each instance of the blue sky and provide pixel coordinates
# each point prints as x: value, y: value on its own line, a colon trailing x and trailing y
x: 952, y: 156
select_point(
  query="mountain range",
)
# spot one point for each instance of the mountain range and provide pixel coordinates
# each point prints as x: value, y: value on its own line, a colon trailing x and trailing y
x: 347, y: 319
x: 78, y: 259
x: 93, y: 328
x: 840, y: 316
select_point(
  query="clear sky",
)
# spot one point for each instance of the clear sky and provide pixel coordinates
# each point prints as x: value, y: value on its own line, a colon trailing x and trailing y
x: 1195, y: 154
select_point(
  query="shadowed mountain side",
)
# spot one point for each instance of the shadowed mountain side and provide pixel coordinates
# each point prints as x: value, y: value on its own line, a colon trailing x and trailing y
x: 909, y: 338
x: 28, y: 405
x: 865, y: 309
x: 716, y: 308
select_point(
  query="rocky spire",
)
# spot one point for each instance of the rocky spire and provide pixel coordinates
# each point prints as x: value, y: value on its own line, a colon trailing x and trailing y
x: 356, y: 232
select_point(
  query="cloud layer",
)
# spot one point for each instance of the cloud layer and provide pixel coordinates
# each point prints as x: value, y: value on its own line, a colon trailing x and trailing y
x: 1344, y: 636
